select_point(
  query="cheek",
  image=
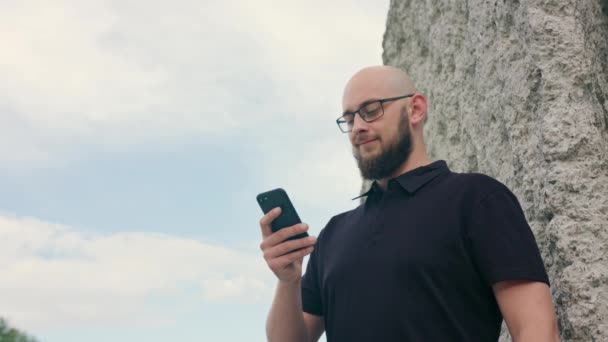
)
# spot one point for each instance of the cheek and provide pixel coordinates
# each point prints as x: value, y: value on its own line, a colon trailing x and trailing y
x: 394, y: 133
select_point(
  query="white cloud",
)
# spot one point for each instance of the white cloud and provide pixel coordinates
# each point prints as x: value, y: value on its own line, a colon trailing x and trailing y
x: 119, y: 73
x: 53, y: 275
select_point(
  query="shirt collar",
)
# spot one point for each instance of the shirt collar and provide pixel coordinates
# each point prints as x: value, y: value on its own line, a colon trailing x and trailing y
x: 373, y: 189
x: 413, y: 180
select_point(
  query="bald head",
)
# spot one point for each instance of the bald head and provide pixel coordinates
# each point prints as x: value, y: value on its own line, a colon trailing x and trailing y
x: 376, y: 82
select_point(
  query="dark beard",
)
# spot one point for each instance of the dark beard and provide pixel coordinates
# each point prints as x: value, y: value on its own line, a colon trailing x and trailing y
x: 387, y: 163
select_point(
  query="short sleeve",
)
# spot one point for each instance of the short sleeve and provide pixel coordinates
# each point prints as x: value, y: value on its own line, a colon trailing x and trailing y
x: 311, y: 293
x: 502, y: 244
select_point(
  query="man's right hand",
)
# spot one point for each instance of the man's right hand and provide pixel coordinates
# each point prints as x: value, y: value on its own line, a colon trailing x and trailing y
x: 284, y: 257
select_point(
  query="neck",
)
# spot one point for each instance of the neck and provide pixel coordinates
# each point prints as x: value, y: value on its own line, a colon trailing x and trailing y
x: 416, y: 159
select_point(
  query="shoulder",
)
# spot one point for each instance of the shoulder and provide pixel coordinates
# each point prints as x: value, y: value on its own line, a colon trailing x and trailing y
x: 489, y: 200
x: 476, y: 186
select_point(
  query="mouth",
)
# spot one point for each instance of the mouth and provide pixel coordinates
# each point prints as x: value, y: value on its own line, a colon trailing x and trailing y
x: 365, y: 142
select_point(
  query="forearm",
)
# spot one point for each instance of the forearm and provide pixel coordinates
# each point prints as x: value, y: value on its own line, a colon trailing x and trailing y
x: 537, y: 334
x: 285, y: 320
x: 537, y: 337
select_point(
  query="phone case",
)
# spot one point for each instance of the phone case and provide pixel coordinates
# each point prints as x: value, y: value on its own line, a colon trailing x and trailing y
x: 289, y: 217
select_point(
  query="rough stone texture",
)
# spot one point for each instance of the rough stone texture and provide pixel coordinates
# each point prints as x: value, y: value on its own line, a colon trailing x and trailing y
x: 519, y: 90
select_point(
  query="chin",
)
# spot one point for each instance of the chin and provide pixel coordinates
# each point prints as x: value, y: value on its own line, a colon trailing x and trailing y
x: 367, y: 158
x: 369, y: 154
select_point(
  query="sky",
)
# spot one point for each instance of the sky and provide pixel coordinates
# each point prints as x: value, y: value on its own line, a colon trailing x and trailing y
x: 134, y: 137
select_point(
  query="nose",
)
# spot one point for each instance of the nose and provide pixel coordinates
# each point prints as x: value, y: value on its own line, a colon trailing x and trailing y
x: 359, y: 126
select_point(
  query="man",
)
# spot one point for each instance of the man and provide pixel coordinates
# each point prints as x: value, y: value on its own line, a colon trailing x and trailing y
x: 431, y: 255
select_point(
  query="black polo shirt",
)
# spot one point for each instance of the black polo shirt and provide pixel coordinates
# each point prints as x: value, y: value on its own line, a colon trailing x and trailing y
x: 417, y: 262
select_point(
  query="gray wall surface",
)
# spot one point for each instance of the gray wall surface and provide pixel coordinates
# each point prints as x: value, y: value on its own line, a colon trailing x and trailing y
x: 518, y: 90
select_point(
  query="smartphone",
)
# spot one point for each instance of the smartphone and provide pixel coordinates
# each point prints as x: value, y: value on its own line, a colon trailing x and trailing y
x: 278, y: 198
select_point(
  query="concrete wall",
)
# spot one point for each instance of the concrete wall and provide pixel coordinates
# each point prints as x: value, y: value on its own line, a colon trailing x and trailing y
x: 519, y: 90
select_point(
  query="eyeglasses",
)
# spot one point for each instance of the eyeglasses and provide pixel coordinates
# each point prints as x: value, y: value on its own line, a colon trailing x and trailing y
x: 369, y: 112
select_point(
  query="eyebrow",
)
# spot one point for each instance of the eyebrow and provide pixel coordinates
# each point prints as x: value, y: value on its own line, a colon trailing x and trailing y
x: 368, y: 101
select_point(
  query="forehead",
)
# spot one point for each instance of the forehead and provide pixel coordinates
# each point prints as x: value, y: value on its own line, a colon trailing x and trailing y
x: 364, y: 87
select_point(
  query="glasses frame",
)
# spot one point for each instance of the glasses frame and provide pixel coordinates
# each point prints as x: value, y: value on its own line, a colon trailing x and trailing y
x: 358, y: 111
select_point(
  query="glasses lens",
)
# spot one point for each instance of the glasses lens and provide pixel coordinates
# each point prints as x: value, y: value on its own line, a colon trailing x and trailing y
x: 371, y: 111
x: 346, y: 122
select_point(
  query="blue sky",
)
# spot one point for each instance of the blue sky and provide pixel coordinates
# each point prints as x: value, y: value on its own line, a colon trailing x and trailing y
x: 134, y: 138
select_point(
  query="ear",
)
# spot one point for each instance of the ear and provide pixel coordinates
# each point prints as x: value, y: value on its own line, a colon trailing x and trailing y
x: 418, y: 107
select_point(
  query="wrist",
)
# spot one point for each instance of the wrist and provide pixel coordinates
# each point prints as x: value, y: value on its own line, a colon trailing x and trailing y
x: 290, y: 283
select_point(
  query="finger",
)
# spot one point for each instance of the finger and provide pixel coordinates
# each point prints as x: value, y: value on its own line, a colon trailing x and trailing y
x: 284, y: 234
x: 282, y: 261
x: 288, y: 247
x: 266, y: 221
